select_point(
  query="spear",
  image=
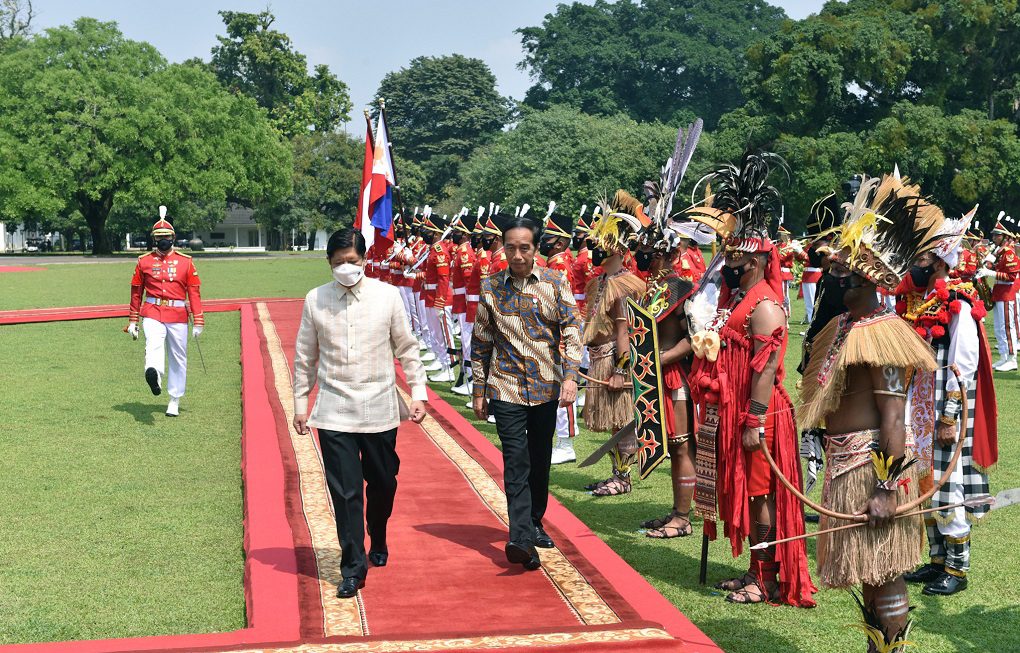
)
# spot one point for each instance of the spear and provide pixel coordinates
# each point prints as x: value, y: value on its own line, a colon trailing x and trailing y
x: 982, y: 500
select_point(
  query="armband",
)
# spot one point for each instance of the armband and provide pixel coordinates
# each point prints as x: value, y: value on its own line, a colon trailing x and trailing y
x: 889, y: 393
x: 622, y: 371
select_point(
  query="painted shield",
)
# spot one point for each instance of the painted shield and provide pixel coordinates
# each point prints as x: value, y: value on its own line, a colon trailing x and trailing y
x: 646, y: 379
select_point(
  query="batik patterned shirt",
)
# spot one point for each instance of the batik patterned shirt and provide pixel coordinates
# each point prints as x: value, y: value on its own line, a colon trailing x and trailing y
x: 516, y: 344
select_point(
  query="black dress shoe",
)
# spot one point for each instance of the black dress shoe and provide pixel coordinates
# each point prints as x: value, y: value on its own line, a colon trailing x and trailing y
x: 349, y: 587
x: 523, y: 555
x: 945, y: 585
x: 152, y: 378
x: 542, y: 539
x: 925, y: 574
x: 378, y: 558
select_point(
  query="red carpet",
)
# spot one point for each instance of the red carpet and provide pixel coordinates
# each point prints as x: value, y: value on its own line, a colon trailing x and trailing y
x: 20, y: 268
x: 447, y: 585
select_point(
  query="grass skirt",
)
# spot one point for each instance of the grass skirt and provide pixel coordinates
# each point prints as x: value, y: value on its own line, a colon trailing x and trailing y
x: 605, y: 411
x: 866, y: 555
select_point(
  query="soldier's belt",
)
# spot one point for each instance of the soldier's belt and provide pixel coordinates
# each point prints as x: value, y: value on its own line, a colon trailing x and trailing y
x: 430, y: 286
x: 159, y: 301
x: 472, y: 298
x: 459, y: 291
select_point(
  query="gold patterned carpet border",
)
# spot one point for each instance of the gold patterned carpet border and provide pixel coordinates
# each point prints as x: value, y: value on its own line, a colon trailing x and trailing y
x: 578, y: 594
x: 494, y: 642
x: 340, y: 618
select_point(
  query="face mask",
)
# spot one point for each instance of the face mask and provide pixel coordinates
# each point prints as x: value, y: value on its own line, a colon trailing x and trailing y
x: 476, y: 242
x: 576, y: 242
x: 457, y: 238
x: 487, y: 241
x: 428, y: 237
x: 545, y: 248
x: 643, y: 260
x: 164, y: 244
x: 731, y: 276
x: 348, y: 274
x: 590, y: 244
x: 597, y: 256
x: 920, y: 275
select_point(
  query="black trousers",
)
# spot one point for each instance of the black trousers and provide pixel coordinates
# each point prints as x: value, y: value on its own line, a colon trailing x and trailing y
x: 351, y: 460
x: 526, y: 433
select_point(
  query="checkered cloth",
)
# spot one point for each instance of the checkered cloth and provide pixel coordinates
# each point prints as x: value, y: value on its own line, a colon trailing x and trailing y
x: 973, y: 482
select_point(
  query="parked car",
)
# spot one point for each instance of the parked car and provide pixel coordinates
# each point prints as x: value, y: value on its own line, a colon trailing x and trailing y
x: 142, y: 243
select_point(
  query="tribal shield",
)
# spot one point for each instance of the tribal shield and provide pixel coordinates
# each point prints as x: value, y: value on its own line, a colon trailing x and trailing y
x: 646, y: 378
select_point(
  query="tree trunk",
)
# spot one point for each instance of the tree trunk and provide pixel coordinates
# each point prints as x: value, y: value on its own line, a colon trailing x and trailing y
x: 96, y: 212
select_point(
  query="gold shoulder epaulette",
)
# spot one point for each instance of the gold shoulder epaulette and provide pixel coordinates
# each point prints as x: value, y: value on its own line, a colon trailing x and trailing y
x: 183, y: 254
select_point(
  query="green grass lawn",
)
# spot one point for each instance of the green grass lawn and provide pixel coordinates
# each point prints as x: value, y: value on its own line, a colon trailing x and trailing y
x: 118, y: 521
x: 85, y: 284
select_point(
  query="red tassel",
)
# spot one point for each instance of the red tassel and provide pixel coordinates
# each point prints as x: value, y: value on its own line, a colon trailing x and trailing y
x: 954, y: 306
x: 937, y: 331
x: 921, y: 331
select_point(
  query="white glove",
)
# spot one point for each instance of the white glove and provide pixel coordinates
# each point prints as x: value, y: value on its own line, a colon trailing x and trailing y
x: 196, y: 331
x: 984, y: 272
x: 133, y: 330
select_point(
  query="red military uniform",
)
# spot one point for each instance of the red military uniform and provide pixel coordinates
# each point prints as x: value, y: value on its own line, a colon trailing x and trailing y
x: 1007, y: 273
x: 690, y: 265
x: 967, y: 267
x: 437, y: 276
x: 167, y: 281
x: 563, y: 261
x: 497, y: 262
x: 418, y: 250
x: 787, y: 256
x: 462, y: 267
x: 474, y: 282
x: 582, y: 272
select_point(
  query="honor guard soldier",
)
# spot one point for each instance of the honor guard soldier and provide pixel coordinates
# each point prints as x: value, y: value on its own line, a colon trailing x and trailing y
x: 1006, y: 271
x: 169, y: 283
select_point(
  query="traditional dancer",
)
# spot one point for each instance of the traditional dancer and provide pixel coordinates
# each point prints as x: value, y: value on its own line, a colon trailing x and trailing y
x: 949, y: 314
x: 737, y: 381
x: 166, y: 278
x: 818, y: 250
x: 1006, y: 271
x: 857, y: 382
x: 608, y: 408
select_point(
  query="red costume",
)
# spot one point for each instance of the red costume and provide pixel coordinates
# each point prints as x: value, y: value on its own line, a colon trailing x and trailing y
x: 474, y: 283
x: 460, y: 272
x: 1007, y: 273
x: 437, y: 276
x: 167, y: 281
x: 690, y: 265
x: 581, y: 274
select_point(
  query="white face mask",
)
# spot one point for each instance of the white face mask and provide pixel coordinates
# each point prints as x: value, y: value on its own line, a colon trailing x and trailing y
x: 348, y: 274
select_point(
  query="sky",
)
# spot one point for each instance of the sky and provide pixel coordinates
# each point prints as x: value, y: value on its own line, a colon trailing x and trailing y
x: 359, y: 41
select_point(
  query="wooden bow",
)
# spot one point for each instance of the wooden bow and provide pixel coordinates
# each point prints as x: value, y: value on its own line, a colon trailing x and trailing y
x: 822, y: 510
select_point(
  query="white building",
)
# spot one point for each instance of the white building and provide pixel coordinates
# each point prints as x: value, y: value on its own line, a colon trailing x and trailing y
x: 237, y: 232
x: 18, y: 239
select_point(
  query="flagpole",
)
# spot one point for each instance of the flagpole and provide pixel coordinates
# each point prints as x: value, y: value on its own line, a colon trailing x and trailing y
x: 393, y: 161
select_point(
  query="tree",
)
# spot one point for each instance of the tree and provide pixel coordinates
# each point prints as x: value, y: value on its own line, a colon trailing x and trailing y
x: 261, y: 63
x: 959, y: 159
x: 15, y: 20
x: 564, y: 155
x: 91, y: 121
x: 438, y: 110
x: 651, y: 59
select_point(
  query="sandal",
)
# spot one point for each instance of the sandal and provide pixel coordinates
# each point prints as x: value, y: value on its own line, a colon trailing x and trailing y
x: 659, y: 522
x: 613, y: 487
x: 668, y: 532
x: 746, y: 597
x: 735, y: 584
x: 594, y: 486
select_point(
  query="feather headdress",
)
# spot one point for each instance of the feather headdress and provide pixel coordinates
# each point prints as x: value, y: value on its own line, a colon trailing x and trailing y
x: 951, y: 237
x: 887, y: 226
x: 660, y: 233
x: 743, y: 200
x: 617, y: 222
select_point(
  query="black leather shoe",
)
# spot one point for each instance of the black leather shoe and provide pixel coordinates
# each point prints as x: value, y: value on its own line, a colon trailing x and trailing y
x: 523, y: 555
x: 378, y: 558
x: 945, y: 585
x: 349, y: 587
x: 542, y: 539
x: 928, y: 573
x: 152, y: 378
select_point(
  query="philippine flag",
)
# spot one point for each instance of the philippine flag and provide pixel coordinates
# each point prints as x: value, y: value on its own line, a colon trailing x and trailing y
x: 378, y: 223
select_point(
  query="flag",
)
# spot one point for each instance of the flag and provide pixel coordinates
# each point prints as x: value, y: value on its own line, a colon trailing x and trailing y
x: 383, y: 180
x: 362, y: 221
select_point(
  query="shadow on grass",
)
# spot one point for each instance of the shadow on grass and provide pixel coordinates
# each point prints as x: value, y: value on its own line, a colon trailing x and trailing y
x: 986, y: 628
x: 143, y: 413
x: 745, y: 630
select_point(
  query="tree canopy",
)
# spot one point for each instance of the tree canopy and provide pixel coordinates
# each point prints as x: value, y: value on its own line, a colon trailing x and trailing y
x: 438, y: 110
x: 665, y: 60
x: 261, y: 62
x: 90, y: 121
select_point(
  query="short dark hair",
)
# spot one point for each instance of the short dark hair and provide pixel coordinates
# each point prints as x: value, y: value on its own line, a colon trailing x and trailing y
x: 345, y: 239
x: 524, y: 223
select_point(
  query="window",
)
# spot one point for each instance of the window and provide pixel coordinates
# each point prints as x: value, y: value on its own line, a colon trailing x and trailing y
x: 217, y: 235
